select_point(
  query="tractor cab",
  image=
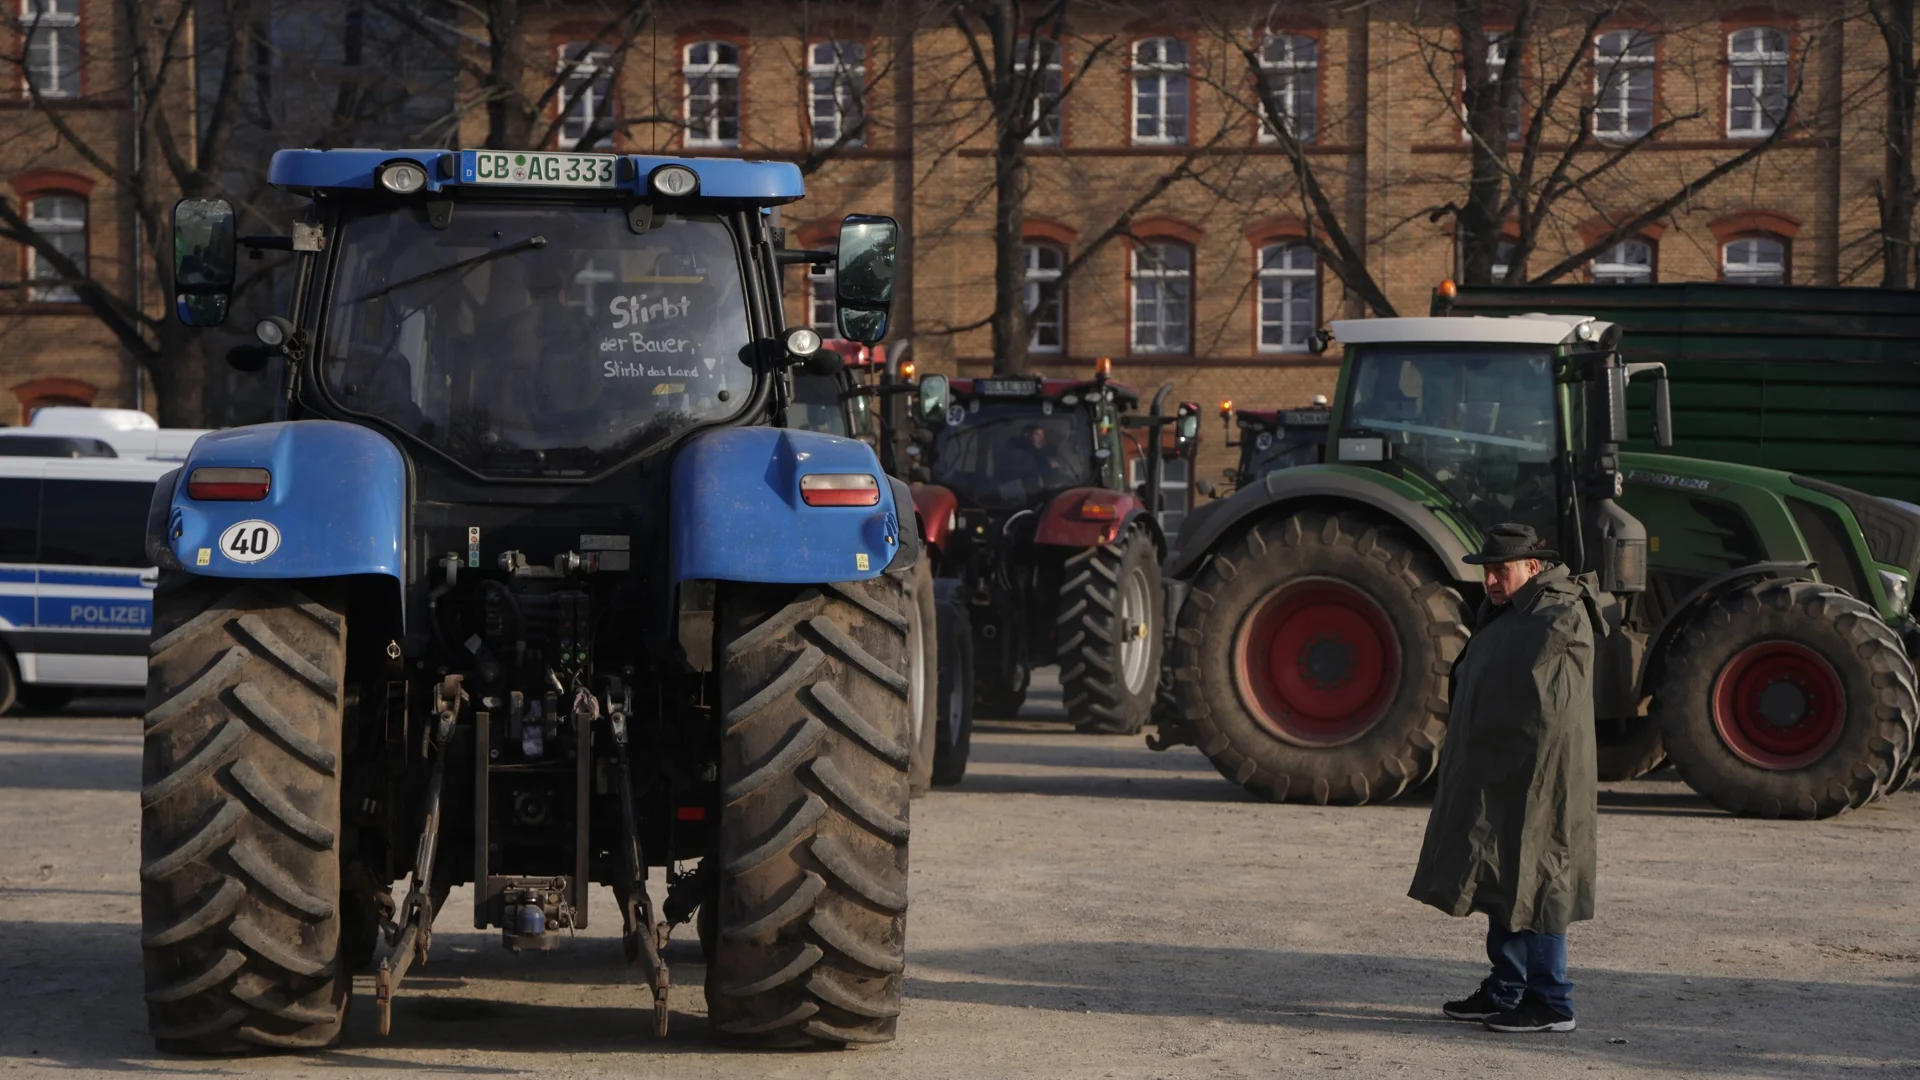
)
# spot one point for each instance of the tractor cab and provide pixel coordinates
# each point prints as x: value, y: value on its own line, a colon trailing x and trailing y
x: 1273, y: 439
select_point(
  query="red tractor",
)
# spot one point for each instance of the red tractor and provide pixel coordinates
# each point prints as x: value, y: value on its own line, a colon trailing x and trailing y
x: 1031, y: 514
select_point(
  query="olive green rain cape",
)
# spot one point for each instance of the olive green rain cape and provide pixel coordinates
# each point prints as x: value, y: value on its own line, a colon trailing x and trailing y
x: 1512, y: 828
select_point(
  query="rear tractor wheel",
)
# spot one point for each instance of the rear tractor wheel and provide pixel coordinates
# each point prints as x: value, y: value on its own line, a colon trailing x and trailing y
x: 955, y: 697
x: 809, y: 930
x: 1313, y: 659
x: 240, y: 817
x: 1787, y: 699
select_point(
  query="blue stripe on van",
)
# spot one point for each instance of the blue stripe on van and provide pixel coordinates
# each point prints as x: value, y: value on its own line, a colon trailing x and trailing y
x: 108, y: 576
x: 17, y: 573
x: 17, y: 611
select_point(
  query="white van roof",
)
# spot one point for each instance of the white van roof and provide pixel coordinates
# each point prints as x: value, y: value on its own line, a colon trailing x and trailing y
x: 145, y: 470
x: 131, y: 433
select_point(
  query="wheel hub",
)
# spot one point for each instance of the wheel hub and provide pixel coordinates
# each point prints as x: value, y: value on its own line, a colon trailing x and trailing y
x: 1779, y: 705
x: 1317, y: 662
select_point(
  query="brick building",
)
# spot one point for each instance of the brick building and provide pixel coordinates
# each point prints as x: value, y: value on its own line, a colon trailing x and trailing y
x: 1209, y: 285
x: 52, y: 352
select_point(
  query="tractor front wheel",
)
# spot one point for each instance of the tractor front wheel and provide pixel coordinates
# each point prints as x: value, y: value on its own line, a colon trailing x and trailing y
x: 1109, y: 634
x: 1313, y: 659
x: 955, y: 697
x: 809, y: 930
x: 1786, y: 699
x: 923, y: 649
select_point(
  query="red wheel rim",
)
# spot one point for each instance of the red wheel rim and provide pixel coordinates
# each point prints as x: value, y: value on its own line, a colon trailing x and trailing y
x: 1779, y: 705
x: 1318, y: 662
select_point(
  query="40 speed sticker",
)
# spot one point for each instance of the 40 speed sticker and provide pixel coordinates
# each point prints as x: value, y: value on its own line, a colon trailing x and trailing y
x: 250, y: 541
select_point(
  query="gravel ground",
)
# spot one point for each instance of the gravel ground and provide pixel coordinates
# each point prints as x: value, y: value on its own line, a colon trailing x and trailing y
x: 1082, y: 907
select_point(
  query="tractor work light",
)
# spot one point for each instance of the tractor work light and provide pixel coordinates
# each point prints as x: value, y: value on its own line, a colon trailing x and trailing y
x: 213, y: 484
x: 675, y: 181
x: 272, y: 331
x: 803, y: 341
x: 1226, y: 407
x: 403, y: 178
x: 908, y: 370
x: 839, y: 489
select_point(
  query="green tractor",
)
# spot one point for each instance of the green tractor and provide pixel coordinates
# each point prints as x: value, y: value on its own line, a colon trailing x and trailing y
x: 1760, y: 615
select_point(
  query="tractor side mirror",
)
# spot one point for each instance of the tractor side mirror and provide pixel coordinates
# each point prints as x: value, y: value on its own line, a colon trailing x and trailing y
x: 203, y: 260
x: 1186, y: 429
x: 863, y: 270
x: 934, y: 398
x: 1662, y: 401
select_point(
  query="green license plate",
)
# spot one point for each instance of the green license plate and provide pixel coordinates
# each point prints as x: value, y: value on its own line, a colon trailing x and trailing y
x: 520, y: 168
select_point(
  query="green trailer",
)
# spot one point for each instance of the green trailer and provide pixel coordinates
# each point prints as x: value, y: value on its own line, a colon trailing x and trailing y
x: 1819, y: 382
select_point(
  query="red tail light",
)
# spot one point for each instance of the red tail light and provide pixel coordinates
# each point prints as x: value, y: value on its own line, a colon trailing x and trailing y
x: 1098, y: 511
x: 840, y: 489
x: 229, y: 485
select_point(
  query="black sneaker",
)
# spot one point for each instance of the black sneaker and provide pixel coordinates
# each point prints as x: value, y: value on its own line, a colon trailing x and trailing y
x: 1479, y: 1006
x: 1531, y: 1014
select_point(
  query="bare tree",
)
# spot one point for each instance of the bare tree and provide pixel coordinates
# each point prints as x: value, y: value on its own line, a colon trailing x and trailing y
x: 1897, y: 194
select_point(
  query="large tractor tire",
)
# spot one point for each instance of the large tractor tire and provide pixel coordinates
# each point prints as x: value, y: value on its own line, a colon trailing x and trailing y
x: 812, y: 883
x: 240, y: 817
x: 1313, y: 657
x: 1109, y: 634
x: 1628, y: 749
x: 1786, y: 699
x: 955, y: 698
x: 923, y: 651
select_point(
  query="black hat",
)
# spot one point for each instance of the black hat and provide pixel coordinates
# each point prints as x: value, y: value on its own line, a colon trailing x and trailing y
x: 1509, y: 543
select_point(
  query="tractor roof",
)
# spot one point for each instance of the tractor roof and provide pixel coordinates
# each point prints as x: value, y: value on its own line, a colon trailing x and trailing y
x: 1532, y: 329
x: 1049, y: 388
x: 763, y: 183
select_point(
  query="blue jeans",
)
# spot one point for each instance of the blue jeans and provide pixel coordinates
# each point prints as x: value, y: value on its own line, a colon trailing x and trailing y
x: 1525, y: 962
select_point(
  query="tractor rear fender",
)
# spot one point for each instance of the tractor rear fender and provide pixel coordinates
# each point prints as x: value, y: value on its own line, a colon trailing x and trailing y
x: 936, y: 506
x: 335, y: 505
x: 1063, y: 523
x: 738, y: 513
x: 1205, y: 526
x: 1703, y: 594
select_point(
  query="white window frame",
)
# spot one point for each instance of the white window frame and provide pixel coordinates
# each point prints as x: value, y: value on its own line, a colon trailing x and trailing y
x: 57, y: 226
x: 1163, y: 75
x: 1173, y: 489
x: 1750, y: 271
x: 1048, y: 128
x: 1763, y: 60
x: 1611, y: 268
x: 1038, y: 279
x: 54, y: 19
x: 836, y: 73
x: 705, y: 114
x: 1614, y: 80
x: 1162, y: 280
x: 587, y: 86
x: 1281, y: 285
x: 823, y: 304
x: 1288, y: 73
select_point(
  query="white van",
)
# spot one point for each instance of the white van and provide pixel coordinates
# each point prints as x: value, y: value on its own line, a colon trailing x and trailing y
x: 76, y: 591
x: 131, y: 433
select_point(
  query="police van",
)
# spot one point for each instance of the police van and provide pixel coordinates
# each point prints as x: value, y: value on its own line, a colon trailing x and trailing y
x: 76, y: 588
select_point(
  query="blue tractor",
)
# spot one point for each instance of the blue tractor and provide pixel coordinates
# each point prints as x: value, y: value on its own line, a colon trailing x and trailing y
x: 536, y: 591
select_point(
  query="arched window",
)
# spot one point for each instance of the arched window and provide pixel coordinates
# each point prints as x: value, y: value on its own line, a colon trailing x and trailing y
x: 1045, y: 297
x: 1756, y: 81
x: 837, y: 91
x: 1162, y: 297
x: 1289, y: 297
x: 1046, y: 97
x: 586, y: 97
x: 52, y: 32
x: 1754, y: 260
x: 1629, y: 262
x: 1623, y: 84
x: 1290, y: 63
x: 1160, y: 91
x: 62, y: 220
x: 712, y: 71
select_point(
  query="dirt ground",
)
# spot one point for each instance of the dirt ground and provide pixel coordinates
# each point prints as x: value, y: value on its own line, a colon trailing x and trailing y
x: 1082, y: 907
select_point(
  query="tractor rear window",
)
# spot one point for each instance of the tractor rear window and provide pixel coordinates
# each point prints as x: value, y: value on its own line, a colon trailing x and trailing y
x: 1001, y: 455
x: 537, y: 340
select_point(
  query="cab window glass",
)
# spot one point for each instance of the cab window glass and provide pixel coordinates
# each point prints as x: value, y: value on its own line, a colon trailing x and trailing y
x: 19, y: 519
x: 94, y: 523
x: 816, y: 405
